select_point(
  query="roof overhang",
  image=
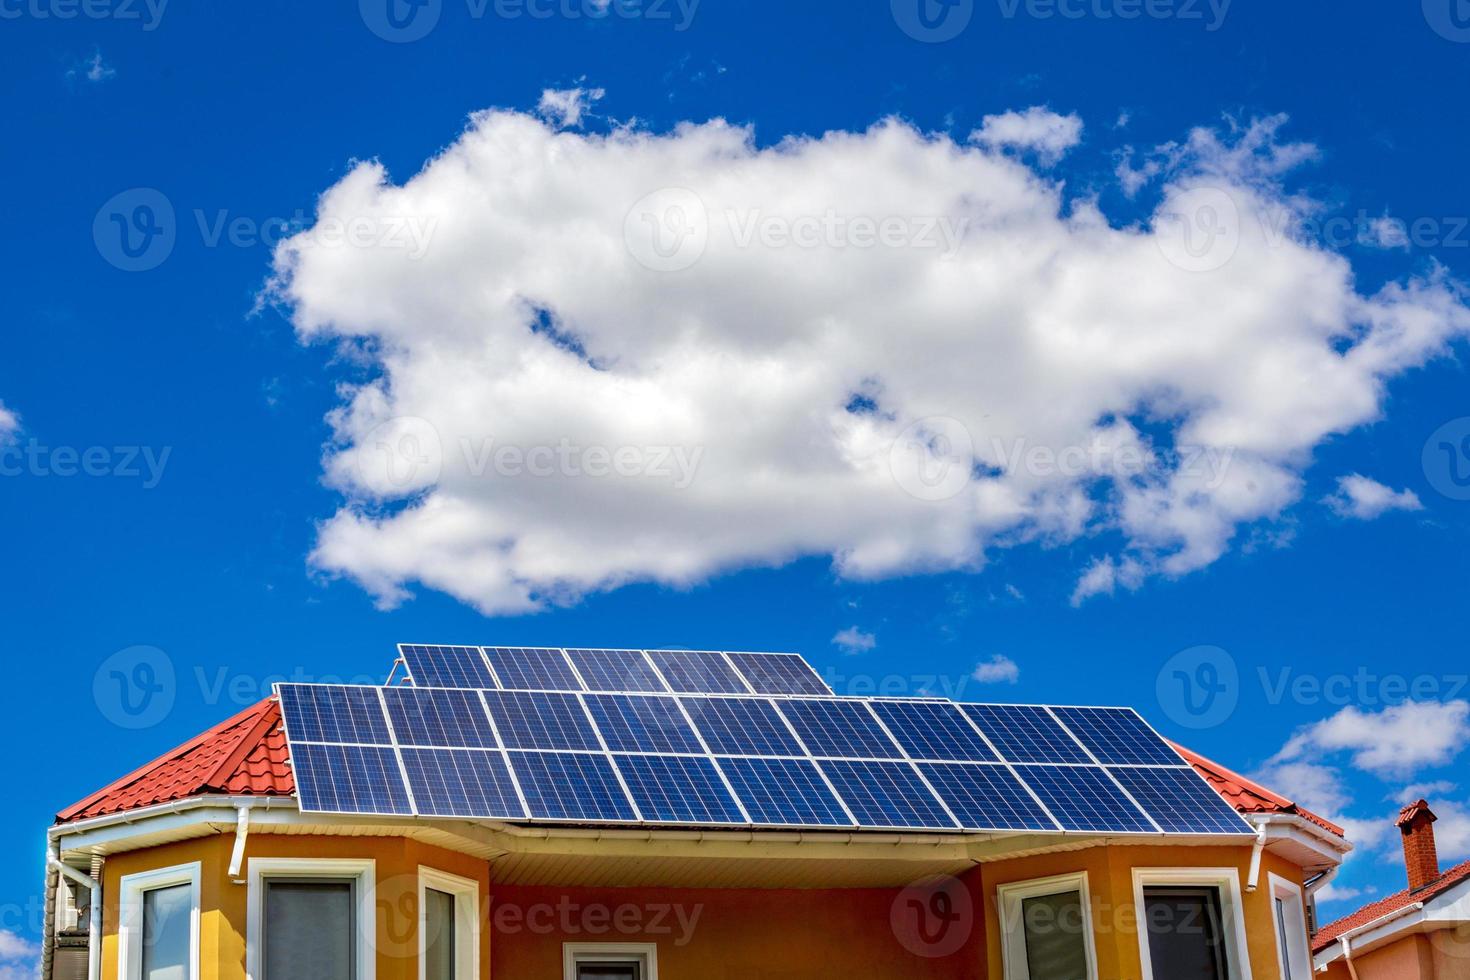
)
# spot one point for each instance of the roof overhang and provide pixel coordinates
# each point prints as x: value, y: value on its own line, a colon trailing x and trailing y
x: 574, y: 856
x: 1447, y: 910
x: 1300, y: 841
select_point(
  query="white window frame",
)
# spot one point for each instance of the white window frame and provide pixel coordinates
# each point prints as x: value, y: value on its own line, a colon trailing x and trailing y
x: 644, y: 954
x: 363, y: 872
x: 1009, y: 904
x: 1280, y: 888
x: 1227, y: 881
x: 466, y: 895
x: 131, y: 890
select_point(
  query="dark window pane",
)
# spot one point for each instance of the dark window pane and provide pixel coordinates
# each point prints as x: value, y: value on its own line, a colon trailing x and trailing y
x: 439, y: 935
x: 609, y: 971
x: 1185, y: 933
x: 310, y: 930
x: 167, y: 930
x: 1056, y: 948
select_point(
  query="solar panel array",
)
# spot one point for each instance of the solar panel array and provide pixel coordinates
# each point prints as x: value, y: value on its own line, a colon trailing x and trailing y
x: 788, y: 760
x: 611, y: 671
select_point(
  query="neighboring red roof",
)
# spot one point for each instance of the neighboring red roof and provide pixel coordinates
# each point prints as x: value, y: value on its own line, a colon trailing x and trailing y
x: 245, y: 756
x: 1329, y: 933
x: 1250, y: 797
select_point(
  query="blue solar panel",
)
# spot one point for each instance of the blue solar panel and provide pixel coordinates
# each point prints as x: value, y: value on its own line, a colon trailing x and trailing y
x: 522, y: 669
x: 844, y: 729
x: 779, y: 673
x: 933, y: 730
x: 678, y: 789
x: 1181, y: 802
x: 349, y: 779
x: 741, y: 726
x: 528, y: 720
x: 565, y: 786
x: 447, y: 719
x: 1025, y: 733
x: 784, y: 793
x: 690, y: 672
x: 647, y: 723
x: 471, y: 783
x: 615, y: 670
x: 887, y: 794
x: 986, y: 797
x: 1118, y: 735
x: 344, y: 715
x: 1084, y: 798
x: 446, y: 666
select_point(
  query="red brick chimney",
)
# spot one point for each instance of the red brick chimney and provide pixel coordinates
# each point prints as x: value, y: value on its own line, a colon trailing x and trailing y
x: 1416, y: 823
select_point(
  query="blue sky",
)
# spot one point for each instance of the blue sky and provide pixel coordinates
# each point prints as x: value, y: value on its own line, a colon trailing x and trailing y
x: 229, y: 518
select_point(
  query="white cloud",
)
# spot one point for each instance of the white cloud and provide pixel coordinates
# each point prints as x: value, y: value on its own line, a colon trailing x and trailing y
x: 1357, y: 496
x: 16, y: 947
x: 1386, y: 232
x: 92, y: 69
x: 854, y: 640
x: 1051, y: 135
x: 1105, y: 575
x: 1333, y: 892
x: 1398, y: 740
x: 9, y: 423
x: 1451, y: 831
x: 1430, y: 791
x: 999, y: 669
x: 857, y: 401
x: 566, y: 107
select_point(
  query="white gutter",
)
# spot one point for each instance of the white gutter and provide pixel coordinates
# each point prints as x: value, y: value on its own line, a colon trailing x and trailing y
x: 94, y: 926
x: 1345, y: 940
x: 242, y: 834
x: 1315, y: 885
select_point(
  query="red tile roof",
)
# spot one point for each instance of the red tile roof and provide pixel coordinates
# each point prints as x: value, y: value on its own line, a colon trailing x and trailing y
x: 1250, y: 797
x: 1329, y: 933
x: 245, y: 756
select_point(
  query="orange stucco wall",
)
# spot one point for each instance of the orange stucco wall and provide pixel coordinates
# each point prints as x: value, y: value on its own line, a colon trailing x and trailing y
x: 1441, y: 955
x: 709, y: 934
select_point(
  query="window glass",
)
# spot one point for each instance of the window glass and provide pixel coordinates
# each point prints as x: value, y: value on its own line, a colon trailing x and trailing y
x: 168, y: 916
x: 1056, y: 948
x: 439, y: 935
x: 310, y: 930
x: 1185, y: 933
x: 1283, y: 930
x: 609, y: 971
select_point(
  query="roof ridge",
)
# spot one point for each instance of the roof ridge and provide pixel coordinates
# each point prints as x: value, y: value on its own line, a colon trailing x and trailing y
x: 172, y: 755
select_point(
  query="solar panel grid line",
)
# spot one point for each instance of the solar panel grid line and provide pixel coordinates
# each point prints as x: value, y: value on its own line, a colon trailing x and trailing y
x: 1086, y: 799
x: 397, y: 752
x: 697, y: 672
x: 469, y: 784
x: 572, y: 666
x: 876, y: 789
x: 581, y: 699
x: 742, y: 726
x: 780, y: 674
x: 917, y: 771
x: 682, y: 790
x: 719, y: 770
x: 808, y: 752
x: 608, y: 671
x: 1116, y: 736
x: 933, y: 731
x: 490, y: 667
x: 788, y: 793
x: 1184, y: 801
x: 534, y: 669
x: 839, y: 728
x: 578, y: 787
x: 1007, y: 763
x: 514, y: 779
x: 730, y: 662
x: 431, y: 665
x: 1114, y: 779
x: 991, y: 790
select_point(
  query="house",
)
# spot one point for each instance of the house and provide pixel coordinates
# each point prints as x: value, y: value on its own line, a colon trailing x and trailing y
x: 341, y: 833
x: 1419, y: 933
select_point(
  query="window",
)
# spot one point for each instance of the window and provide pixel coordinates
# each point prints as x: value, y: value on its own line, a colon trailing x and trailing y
x: 310, y: 920
x: 1288, y: 912
x: 611, y: 961
x: 1190, y: 923
x: 1047, y: 929
x: 158, y: 932
x: 449, y: 922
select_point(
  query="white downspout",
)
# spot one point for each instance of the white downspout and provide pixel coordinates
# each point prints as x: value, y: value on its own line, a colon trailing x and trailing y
x: 1254, y: 878
x: 94, y: 926
x: 242, y: 834
x: 1347, y: 957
